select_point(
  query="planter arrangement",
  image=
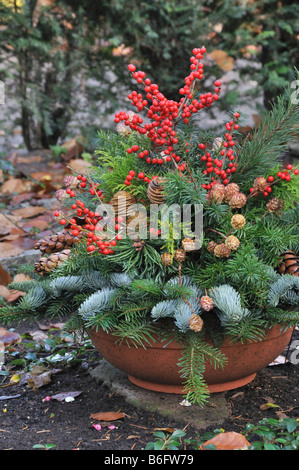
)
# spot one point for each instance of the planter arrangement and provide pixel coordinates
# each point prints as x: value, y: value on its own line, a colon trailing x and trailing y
x: 178, y: 251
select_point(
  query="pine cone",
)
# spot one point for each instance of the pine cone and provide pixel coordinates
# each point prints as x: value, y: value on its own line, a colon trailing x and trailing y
x: 275, y: 205
x: 179, y: 255
x: 216, y: 193
x: 58, y: 242
x: 206, y: 303
x: 238, y: 221
x: 237, y: 201
x: 260, y: 183
x: 230, y: 190
x: 155, y: 190
x: 166, y: 259
x: 195, y: 322
x: 211, y: 246
x: 222, y: 251
x: 188, y: 244
x: 139, y: 245
x: 71, y: 182
x: 121, y: 202
x: 290, y: 264
x: 232, y: 242
x: 45, y: 265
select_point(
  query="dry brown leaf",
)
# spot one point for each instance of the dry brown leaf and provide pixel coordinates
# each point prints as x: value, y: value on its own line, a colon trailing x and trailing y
x: 28, y: 212
x: 16, y: 247
x: 107, y: 416
x: 5, y: 225
x: 37, y: 381
x: 10, y: 249
x: 20, y: 277
x: 13, y: 185
x: 4, y: 292
x: 222, y: 59
x: 9, y: 337
x: 14, y: 295
x: 227, y: 441
x: 5, y: 278
x: 79, y: 164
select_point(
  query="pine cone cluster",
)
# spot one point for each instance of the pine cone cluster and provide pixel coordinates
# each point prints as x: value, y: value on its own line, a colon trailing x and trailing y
x: 230, y: 191
x: 58, y: 241
x: 290, y: 264
x: 222, y: 251
x: 45, y: 265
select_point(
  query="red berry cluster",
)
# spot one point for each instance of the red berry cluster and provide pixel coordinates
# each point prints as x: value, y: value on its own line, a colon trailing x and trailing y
x: 219, y: 166
x: 286, y: 174
x: 140, y: 176
x: 92, y: 226
x: 164, y: 113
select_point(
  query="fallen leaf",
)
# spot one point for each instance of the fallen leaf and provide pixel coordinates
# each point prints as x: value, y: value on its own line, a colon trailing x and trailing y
x: 266, y: 406
x: 107, y: 416
x: 14, y: 379
x: 13, y: 185
x: 10, y: 249
x: 28, y: 212
x: 4, y: 292
x: 14, y: 295
x: 20, y: 277
x: 5, y: 225
x: 64, y: 395
x: 79, y: 164
x: 5, y: 278
x: 227, y: 441
x: 73, y: 149
x: 35, y: 381
x: 222, y: 59
x: 9, y: 337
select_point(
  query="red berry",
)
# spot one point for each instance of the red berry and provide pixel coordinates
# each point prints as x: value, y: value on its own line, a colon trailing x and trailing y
x: 289, y: 167
x: 62, y: 222
x: 57, y: 214
x: 296, y: 172
x: 131, y: 68
x: 217, y: 83
x: 270, y: 179
x: 141, y: 175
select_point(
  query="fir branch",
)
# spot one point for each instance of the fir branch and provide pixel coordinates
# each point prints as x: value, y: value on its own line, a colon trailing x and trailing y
x: 260, y: 153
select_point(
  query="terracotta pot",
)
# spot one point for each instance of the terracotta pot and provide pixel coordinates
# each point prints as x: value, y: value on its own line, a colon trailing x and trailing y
x: 155, y: 368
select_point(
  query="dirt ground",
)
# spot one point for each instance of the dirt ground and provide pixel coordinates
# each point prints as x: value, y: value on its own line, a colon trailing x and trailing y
x: 26, y: 419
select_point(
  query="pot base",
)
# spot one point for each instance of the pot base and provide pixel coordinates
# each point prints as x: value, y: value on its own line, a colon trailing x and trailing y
x: 178, y: 390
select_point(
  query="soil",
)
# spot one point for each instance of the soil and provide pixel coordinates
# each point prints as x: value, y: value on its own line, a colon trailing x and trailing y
x: 26, y: 419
